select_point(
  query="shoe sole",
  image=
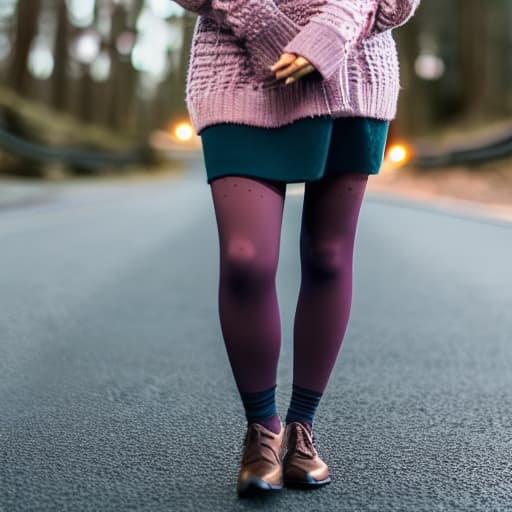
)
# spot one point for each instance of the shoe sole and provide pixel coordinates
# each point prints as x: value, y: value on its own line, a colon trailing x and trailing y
x: 310, y: 483
x: 256, y: 486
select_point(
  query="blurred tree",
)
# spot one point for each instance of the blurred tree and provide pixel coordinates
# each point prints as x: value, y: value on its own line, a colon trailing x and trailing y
x: 495, y: 69
x: 131, y: 95
x: 472, y: 47
x: 109, y: 97
x: 62, y: 41
x: 123, y: 75
x: 27, y: 15
x: 473, y: 41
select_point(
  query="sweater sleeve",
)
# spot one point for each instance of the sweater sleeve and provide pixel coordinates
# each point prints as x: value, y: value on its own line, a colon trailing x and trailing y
x: 330, y: 34
x: 259, y: 23
x: 394, y: 13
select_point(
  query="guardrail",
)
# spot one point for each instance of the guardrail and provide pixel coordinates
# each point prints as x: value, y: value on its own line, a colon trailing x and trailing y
x: 89, y: 160
x: 491, y: 149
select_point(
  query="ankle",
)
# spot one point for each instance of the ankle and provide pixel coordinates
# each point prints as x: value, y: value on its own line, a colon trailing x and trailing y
x: 308, y: 426
x: 272, y: 423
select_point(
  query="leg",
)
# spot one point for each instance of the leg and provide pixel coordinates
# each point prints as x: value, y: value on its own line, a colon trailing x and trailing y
x: 249, y: 217
x: 329, y: 221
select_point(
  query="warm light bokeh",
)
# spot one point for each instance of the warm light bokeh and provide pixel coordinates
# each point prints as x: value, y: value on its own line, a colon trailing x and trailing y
x: 184, y: 131
x: 399, y: 154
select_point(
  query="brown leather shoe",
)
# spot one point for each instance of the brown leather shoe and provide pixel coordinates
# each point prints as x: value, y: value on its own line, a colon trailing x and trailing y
x: 260, y: 468
x: 302, y: 467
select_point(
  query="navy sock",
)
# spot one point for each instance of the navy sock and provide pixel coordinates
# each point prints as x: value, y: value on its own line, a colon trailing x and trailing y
x: 303, y: 405
x: 260, y: 407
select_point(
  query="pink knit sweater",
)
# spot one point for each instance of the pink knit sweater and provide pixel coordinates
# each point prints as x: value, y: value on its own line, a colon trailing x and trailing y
x: 349, y: 42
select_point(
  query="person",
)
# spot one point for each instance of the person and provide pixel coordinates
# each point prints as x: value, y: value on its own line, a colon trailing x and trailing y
x: 282, y: 92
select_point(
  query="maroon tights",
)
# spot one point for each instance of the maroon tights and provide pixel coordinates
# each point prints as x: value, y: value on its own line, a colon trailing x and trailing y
x: 249, y: 218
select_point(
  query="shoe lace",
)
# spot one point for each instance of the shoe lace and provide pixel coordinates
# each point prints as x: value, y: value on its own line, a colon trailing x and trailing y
x: 253, y: 442
x: 302, y: 443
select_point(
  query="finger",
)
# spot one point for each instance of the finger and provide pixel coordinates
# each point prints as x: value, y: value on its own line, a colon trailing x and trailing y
x: 284, y: 60
x: 304, y: 71
x: 289, y: 70
x: 301, y: 61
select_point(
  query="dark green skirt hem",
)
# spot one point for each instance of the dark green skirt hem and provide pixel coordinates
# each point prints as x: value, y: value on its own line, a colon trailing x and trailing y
x: 305, y: 150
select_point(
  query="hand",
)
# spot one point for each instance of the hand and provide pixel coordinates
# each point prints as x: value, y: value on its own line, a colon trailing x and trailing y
x: 292, y: 66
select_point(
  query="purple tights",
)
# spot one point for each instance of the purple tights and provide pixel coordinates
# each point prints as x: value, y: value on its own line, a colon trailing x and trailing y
x: 249, y: 218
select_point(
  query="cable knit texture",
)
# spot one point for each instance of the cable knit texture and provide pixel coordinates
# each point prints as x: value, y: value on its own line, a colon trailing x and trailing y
x: 394, y: 13
x: 349, y: 42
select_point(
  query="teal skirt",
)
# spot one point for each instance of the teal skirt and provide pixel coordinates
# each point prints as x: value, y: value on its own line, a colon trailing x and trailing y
x: 304, y: 150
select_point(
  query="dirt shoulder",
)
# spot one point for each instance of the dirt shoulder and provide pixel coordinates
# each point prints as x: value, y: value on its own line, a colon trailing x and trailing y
x: 486, y: 187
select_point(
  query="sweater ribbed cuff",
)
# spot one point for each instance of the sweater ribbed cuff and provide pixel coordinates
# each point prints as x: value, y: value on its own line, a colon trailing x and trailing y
x: 320, y: 45
x: 268, y: 46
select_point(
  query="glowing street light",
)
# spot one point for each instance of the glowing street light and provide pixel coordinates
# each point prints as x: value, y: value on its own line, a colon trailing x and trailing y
x: 399, y: 154
x: 183, y: 131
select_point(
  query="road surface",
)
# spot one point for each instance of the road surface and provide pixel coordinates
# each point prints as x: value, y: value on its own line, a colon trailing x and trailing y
x: 116, y: 392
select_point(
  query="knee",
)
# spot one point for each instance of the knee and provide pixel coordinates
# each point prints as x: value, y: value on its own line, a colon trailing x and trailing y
x: 247, y: 267
x: 328, y: 259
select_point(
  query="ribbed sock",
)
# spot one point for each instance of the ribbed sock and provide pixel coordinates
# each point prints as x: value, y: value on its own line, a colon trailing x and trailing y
x: 260, y: 407
x: 303, y: 405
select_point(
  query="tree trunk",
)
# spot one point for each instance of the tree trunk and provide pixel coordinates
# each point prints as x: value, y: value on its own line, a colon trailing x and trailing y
x: 471, y: 31
x: 59, y: 80
x: 27, y: 16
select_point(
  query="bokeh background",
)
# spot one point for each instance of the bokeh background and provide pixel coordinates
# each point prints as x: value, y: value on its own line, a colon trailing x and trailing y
x: 91, y: 85
x: 455, y: 65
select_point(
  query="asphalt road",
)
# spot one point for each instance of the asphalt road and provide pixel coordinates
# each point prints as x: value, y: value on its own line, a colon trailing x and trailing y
x: 116, y: 393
